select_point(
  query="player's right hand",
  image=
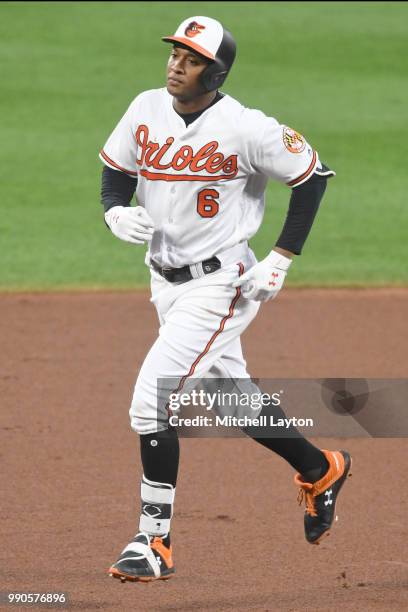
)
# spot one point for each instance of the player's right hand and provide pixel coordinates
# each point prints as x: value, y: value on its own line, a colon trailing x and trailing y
x: 130, y: 223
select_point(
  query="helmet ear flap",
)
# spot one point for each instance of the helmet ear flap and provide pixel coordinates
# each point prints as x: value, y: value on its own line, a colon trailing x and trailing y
x: 213, y: 77
x: 220, y: 77
x: 217, y: 71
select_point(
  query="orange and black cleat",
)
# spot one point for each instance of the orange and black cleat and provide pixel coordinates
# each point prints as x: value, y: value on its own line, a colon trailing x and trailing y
x: 144, y: 559
x: 321, y: 496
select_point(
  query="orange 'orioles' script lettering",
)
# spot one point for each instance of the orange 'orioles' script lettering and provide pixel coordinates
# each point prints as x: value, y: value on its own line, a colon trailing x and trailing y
x: 204, y: 164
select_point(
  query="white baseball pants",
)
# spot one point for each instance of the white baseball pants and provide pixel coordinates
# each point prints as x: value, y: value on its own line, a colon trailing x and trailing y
x: 201, y: 322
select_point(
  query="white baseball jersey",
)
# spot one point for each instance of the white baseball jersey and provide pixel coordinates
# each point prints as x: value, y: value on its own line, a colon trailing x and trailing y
x: 203, y: 185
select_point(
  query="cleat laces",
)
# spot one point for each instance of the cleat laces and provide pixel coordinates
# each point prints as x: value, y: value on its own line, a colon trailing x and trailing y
x: 305, y: 493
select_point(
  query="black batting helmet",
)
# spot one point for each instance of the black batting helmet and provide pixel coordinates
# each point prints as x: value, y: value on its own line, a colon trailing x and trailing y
x: 209, y: 38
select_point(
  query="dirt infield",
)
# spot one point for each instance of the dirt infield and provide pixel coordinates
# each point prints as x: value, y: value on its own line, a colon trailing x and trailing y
x: 70, y: 466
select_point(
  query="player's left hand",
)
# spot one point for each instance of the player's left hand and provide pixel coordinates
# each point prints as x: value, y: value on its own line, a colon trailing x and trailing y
x: 265, y: 279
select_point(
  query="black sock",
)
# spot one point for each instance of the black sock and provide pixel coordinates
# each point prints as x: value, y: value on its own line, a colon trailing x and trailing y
x: 305, y: 458
x: 160, y: 456
x: 166, y: 539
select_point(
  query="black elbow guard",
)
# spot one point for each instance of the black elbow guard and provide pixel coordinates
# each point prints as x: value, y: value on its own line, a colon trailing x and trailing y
x: 324, y: 170
x: 320, y: 175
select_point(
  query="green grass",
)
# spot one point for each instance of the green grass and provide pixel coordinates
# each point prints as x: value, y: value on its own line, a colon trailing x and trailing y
x: 334, y: 71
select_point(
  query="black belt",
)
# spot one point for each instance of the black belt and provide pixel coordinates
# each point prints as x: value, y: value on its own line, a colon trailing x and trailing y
x: 182, y: 275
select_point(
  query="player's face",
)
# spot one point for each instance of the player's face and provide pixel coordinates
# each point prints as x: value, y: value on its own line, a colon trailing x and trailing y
x: 183, y: 74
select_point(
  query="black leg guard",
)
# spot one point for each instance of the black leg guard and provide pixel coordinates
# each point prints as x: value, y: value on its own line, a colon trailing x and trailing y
x: 160, y: 456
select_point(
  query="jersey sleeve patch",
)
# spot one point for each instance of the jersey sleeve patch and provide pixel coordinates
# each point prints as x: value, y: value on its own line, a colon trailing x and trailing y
x: 293, y: 141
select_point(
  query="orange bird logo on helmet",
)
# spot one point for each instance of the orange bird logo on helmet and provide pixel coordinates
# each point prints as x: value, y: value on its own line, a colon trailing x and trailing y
x: 193, y: 29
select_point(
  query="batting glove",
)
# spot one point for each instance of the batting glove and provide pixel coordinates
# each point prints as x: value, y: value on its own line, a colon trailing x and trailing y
x: 130, y: 223
x: 265, y: 279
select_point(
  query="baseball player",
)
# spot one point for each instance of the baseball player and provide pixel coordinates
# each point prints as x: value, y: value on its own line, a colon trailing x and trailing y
x: 198, y: 163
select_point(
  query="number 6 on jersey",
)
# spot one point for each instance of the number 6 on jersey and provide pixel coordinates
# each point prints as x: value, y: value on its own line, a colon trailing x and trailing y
x: 207, y: 205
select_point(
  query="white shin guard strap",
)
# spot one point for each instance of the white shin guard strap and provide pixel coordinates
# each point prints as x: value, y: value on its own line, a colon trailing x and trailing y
x: 157, y: 507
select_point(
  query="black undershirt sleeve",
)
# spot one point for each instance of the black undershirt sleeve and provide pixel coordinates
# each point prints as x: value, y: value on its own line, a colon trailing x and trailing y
x: 303, y: 206
x: 117, y: 188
